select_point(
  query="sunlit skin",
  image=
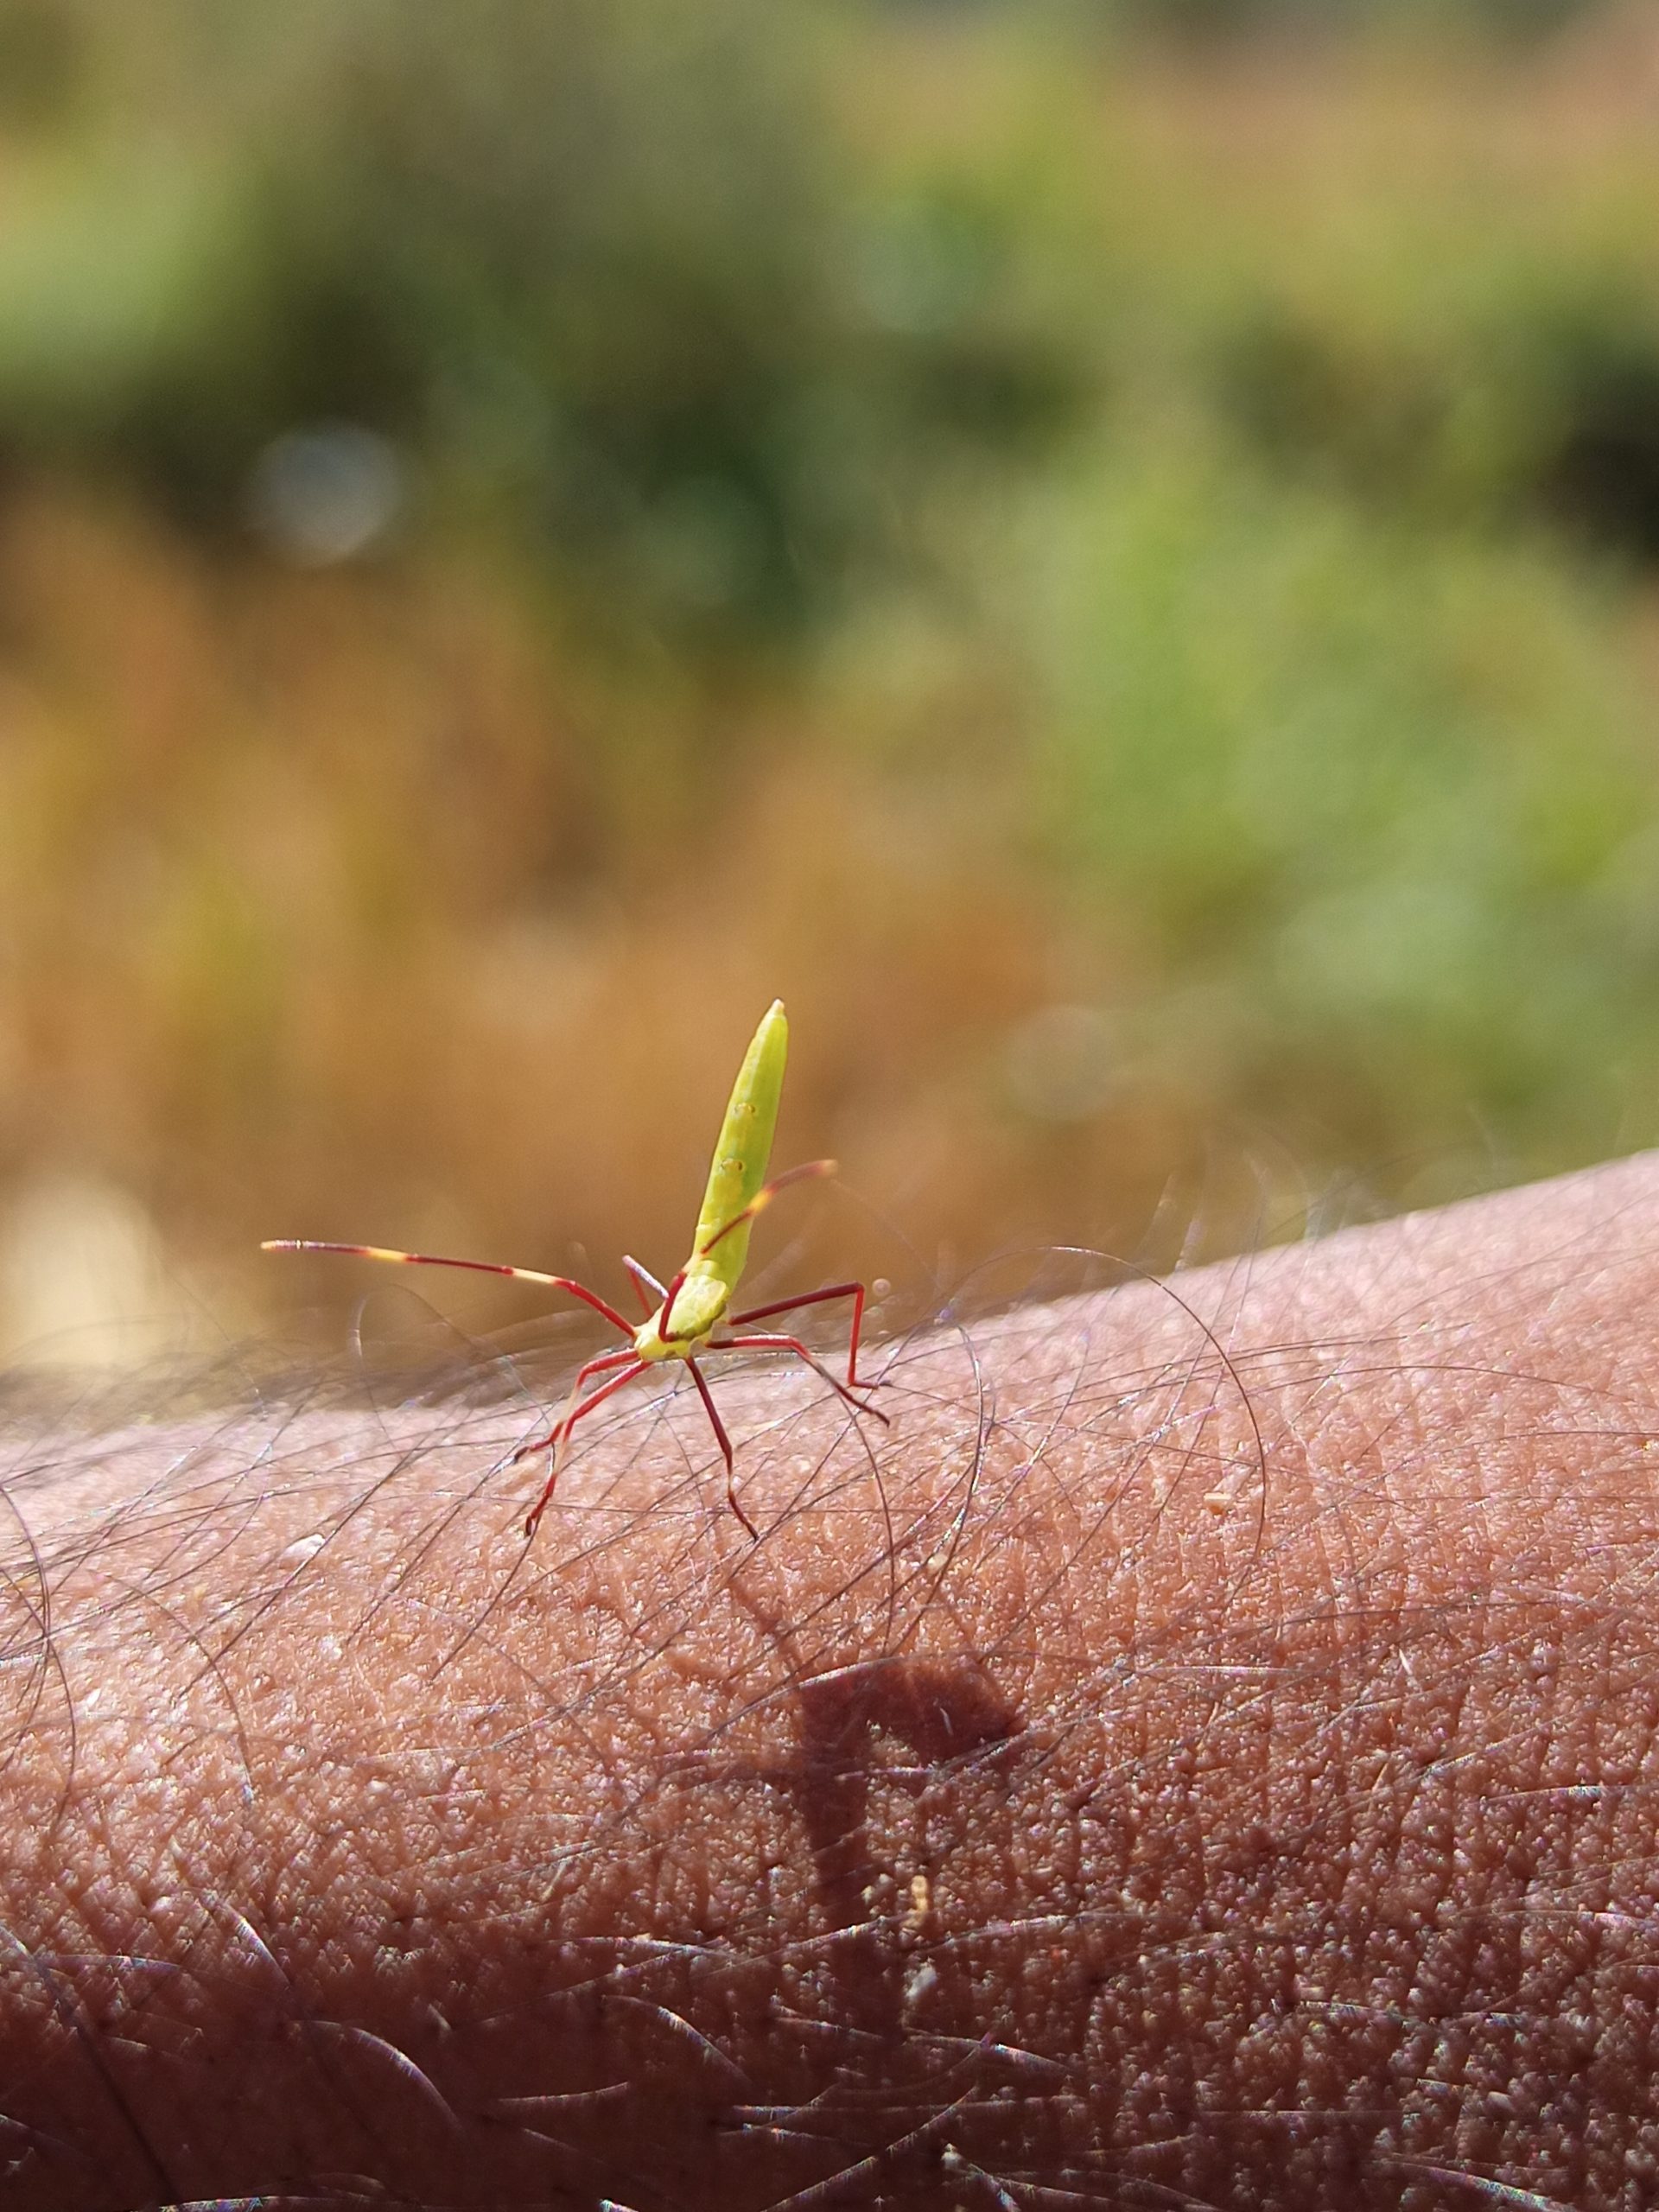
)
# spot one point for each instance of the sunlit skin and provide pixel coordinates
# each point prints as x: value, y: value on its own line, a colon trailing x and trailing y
x: 1214, y: 1769
x: 691, y: 1314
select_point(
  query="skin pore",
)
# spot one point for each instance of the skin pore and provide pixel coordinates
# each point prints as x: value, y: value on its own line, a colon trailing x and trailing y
x: 1203, y: 1756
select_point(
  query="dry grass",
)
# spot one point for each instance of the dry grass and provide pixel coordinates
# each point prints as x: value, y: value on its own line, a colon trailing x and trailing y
x: 377, y: 903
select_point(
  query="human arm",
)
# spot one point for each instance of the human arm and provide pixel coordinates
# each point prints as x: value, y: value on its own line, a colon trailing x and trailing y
x: 1205, y: 1758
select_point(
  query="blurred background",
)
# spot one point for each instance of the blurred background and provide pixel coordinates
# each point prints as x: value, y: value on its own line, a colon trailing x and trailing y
x: 1109, y: 553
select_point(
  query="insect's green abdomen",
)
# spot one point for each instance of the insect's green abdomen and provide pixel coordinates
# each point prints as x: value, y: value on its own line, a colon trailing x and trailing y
x: 745, y: 1148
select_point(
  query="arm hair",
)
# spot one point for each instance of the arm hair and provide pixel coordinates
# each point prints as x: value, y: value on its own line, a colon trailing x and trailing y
x: 1203, y: 1757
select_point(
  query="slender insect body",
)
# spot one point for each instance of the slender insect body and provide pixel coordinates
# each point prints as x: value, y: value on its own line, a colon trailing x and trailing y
x: 693, y: 1309
x: 737, y: 1175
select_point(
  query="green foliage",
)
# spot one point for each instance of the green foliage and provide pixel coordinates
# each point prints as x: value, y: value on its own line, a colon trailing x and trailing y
x: 1137, y: 556
x: 596, y: 272
x: 42, y: 62
x: 1368, y: 795
x: 1506, y: 20
x: 1538, y: 395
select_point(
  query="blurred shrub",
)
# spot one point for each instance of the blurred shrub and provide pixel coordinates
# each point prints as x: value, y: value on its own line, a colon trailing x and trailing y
x: 1369, y: 802
x: 595, y: 272
x: 42, y: 64
x: 1470, y: 334
x: 1506, y: 19
x: 1592, y: 454
x: 1546, y: 402
x: 1194, y: 471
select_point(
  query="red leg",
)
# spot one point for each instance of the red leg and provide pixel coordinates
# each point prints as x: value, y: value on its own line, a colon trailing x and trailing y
x: 764, y: 1196
x: 856, y: 1291
x: 557, y: 1436
x: 599, y: 1366
x: 676, y: 1285
x: 476, y: 1267
x: 725, y: 1443
x: 649, y: 1291
x: 767, y: 1341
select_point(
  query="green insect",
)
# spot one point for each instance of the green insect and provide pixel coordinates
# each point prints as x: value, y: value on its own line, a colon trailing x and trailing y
x: 690, y: 1314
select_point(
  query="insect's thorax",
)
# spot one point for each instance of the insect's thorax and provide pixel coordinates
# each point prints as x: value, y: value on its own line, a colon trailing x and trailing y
x: 700, y: 1307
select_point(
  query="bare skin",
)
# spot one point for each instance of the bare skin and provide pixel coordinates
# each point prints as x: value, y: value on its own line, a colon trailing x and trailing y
x: 1184, y: 1766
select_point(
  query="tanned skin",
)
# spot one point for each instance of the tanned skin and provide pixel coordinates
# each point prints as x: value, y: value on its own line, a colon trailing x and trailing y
x: 1202, y: 1756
